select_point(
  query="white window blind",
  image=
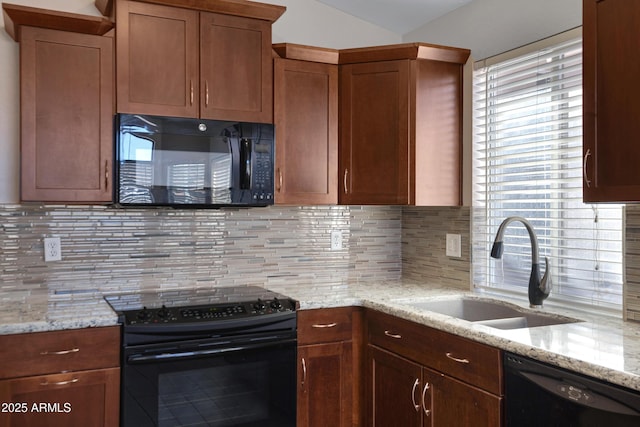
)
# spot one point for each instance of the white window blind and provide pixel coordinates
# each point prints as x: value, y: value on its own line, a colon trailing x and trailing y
x: 528, y: 162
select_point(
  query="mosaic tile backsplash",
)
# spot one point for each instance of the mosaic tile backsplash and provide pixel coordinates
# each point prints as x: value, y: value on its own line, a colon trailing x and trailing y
x: 107, y: 250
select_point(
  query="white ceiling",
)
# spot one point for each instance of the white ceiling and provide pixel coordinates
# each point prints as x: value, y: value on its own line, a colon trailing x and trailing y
x: 399, y: 16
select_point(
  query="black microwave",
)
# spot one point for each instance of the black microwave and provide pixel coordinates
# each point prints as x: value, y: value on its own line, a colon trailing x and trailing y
x: 170, y: 161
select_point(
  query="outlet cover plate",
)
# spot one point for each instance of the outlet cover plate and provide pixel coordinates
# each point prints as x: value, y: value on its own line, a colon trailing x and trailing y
x: 52, y: 250
x: 336, y: 240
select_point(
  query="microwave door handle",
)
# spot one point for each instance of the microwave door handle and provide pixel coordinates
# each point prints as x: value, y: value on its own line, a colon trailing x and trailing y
x: 245, y: 164
x: 601, y: 402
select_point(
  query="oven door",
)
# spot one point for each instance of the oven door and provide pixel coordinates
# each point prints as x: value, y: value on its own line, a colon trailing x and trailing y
x: 245, y: 382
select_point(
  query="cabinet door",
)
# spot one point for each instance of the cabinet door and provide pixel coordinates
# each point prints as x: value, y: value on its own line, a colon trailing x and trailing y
x: 66, y: 109
x: 325, y: 385
x: 611, y: 106
x: 157, y: 64
x: 374, y: 135
x: 393, y: 390
x: 74, y: 399
x: 236, y: 68
x: 449, y: 402
x: 306, y: 119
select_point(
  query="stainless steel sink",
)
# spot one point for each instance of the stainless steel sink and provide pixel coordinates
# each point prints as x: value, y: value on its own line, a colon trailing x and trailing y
x: 495, y: 314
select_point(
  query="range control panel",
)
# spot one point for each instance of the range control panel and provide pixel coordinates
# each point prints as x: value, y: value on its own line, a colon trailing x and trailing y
x: 208, y: 313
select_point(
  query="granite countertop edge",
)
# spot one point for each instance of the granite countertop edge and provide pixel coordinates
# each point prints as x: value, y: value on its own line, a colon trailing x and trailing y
x: 611, y: 352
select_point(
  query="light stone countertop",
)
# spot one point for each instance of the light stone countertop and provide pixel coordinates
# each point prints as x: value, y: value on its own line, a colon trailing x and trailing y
x: 601, y: 347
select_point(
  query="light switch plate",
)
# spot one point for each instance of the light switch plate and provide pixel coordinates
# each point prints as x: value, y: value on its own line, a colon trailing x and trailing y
x: 454, y: 245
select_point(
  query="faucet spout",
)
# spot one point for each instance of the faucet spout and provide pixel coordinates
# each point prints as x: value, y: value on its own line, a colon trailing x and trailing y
x: 539, y: 288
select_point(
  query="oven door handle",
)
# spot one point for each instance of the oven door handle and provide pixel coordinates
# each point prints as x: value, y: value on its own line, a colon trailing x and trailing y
x: 184, y: 355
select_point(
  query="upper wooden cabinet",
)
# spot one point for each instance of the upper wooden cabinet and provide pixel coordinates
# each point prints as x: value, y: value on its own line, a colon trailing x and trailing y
x: 611, y: 36
x: 178, y: 61
x: 401, y: 125
x: 306, y: 119
x: 66, y: 94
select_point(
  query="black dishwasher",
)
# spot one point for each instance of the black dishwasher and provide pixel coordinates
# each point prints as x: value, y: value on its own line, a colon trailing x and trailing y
x: 537, y: 394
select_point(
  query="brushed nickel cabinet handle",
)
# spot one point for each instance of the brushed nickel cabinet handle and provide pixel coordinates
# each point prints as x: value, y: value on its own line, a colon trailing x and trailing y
x: 427, y: 412
x: 392, y: 335
x: 455, y: 359
x: 72, y: 381
x: 279, y: 180
x: 324, y: 325
x: 346, y: 173
x: 191, y: 92
x: 304, y: 371
x: 413, y: 395
x: 59, y: 353
x: 206, y: 93
x: 106, y: 174
x: 584, y: 168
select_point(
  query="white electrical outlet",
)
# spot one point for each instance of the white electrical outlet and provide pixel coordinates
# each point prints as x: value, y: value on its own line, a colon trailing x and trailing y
x: 52, y: 250
x: 454, y: 245
x: 336, y: 240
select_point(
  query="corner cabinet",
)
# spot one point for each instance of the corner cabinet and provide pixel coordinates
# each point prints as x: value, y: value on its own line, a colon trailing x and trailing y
x: 306, y: 120
x: 328, y: 371
x: 202, y: 59
x: 66, y: 94
x: 611, y: 38
x: 61, y: 379
x: 401, y: 125
x: 418, y: 376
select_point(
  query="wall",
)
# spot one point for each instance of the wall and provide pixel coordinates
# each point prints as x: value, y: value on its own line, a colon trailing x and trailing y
x: 424, y: 231
x: 489, y: 27
x: 107, y: 250
x: 305, y: 22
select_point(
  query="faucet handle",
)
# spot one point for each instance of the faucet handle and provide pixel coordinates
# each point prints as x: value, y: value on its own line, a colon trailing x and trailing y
x: 545, y: 282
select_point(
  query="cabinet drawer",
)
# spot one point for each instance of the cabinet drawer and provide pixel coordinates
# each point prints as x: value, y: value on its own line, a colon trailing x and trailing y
x: 59, y: 351
x: 325, y: 325
x: 475, y: 363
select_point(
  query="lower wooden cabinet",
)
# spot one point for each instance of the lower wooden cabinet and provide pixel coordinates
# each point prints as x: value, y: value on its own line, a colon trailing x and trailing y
x: 393, y: 390
x: 404, y: 393
x: 65, y: 378
x: 74, y: 399
x: 419, y: 376
x: 328, y: 368
x: 325, y: 384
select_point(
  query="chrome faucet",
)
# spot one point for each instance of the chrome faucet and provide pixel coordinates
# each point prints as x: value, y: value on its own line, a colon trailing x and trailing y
x: 539, y: 289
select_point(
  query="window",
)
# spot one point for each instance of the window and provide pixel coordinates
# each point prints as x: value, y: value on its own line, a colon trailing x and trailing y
x: 527, y: 151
